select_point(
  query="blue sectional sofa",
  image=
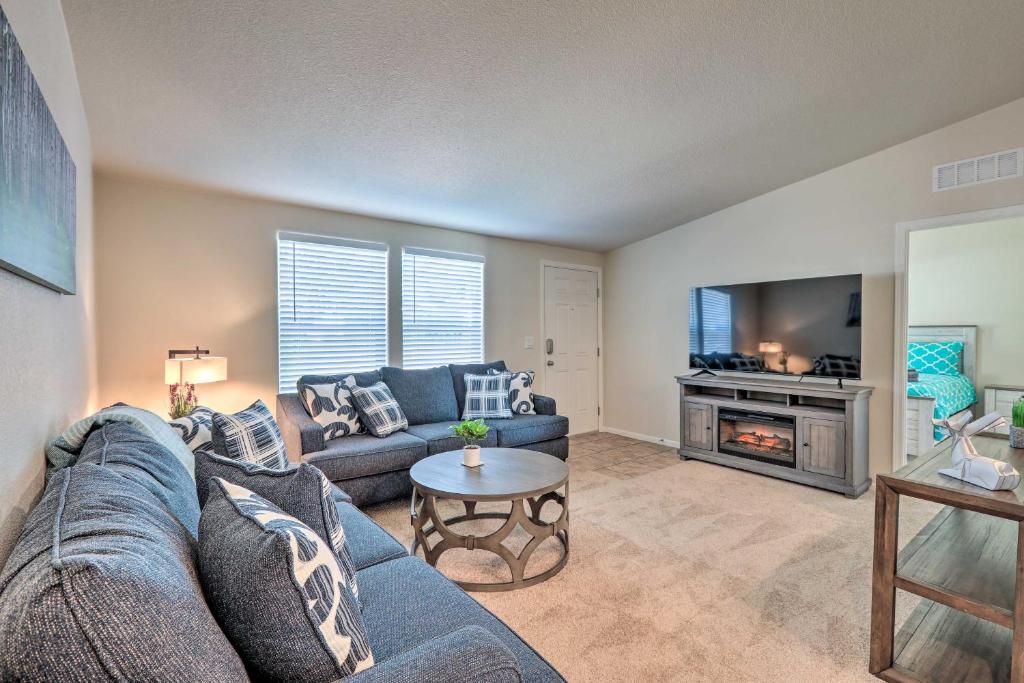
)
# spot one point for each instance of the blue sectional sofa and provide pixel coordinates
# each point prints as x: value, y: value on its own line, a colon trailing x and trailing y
x: 103, y: 584
x: 373, y: 470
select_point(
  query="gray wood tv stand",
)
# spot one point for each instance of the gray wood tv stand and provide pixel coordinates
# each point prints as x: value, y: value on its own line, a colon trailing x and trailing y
x: 808, y: 432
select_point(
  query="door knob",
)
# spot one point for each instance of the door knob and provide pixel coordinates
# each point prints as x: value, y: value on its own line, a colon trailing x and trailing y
x: 551, y: 362
x: 549, y: 346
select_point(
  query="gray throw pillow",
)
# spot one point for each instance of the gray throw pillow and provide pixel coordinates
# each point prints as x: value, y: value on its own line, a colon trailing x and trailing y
x: 303, y: 492
x: 251, y: 434
x: 278, y: 591
x: 379, y: 410
x: 426, y: 395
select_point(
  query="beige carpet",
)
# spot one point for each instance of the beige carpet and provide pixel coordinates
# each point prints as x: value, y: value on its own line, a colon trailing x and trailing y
x: 687, y: 571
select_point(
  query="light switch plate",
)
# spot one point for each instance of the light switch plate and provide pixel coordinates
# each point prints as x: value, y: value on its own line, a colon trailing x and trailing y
x: 527, y: 342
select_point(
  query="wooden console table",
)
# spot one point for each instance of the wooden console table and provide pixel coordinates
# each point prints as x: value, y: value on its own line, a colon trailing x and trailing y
x: 968, y: 565
x: 829, y: 427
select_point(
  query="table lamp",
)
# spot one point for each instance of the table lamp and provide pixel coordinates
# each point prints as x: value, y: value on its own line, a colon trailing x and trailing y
x: 184, y: 369
x: 767, y: 347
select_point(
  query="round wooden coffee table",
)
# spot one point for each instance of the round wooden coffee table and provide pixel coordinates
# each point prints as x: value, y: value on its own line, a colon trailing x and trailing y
x: 510, y: 475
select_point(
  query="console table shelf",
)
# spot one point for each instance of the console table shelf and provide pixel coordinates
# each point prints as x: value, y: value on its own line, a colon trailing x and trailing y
x: 968, y: 564
x: 964, y: 558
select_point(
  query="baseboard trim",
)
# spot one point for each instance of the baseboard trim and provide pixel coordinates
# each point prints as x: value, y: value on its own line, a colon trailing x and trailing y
x: 640, y: 437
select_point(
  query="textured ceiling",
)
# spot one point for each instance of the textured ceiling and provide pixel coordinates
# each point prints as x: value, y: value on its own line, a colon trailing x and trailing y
x: 591, y: 123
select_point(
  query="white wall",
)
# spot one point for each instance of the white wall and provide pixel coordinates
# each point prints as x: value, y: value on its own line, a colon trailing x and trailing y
x: 971, y: 275
x: 46, y: 345
x: 841, y: 221
x: 178, y: 266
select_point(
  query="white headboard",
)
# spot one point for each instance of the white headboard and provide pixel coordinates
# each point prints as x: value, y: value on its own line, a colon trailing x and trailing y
x: 968, y: 334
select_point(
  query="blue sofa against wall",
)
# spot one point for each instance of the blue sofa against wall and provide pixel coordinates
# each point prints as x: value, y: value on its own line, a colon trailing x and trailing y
x: 372, y: 470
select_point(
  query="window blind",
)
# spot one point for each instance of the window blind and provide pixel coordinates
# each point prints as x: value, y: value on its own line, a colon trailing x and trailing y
x: 716, y: 311
x: 710, y: 321
x: 332, y: 307
x: 442, y: 308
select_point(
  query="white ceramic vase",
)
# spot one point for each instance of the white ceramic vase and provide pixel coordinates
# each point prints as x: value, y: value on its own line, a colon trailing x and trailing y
x: 471, y: 455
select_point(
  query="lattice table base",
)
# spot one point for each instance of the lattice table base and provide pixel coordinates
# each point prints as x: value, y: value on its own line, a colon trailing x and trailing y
x: 427, y: 523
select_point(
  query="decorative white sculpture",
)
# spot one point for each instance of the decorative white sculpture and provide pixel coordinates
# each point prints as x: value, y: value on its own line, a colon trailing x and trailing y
x: 968, y: 464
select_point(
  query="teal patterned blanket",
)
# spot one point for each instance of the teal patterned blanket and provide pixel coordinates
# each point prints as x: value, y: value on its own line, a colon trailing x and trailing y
x: 952, y: 393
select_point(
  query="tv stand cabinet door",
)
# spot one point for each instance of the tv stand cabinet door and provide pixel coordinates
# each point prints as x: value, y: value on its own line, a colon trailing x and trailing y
x: 698, y: 425
x: 823, y: 447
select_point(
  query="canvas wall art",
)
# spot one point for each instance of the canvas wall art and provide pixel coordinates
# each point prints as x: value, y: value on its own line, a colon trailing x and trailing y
x: 37, y: 177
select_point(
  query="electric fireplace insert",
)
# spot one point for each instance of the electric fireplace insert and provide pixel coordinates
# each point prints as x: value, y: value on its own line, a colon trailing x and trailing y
x: 758, y: 436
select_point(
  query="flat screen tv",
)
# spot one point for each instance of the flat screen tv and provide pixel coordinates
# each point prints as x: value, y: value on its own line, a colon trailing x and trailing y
x: 793, y: 328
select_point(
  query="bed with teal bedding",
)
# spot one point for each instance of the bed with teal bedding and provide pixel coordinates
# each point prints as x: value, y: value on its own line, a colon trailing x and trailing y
x: 952, y: 393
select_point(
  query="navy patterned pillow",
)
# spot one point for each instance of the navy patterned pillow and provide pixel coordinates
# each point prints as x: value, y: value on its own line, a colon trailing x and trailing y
x: 302, y: 491
x: 379, y: 410
x: 330, y: 405
x: 278, y: 591
x: 520, y: 392
x: 196, y: 429
x: 487, y: 396
x: 251, y: 434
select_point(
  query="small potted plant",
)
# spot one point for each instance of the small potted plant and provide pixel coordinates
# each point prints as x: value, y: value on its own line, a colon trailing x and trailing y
x: 1017, y: 428
x: 471, y: 432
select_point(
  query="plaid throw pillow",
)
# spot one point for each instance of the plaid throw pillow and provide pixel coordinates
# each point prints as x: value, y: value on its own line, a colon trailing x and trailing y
x: 747, y: 363
x: 251, y: 435
x: 487, y: 396
x: 378, y: 410
x: 837, y: 366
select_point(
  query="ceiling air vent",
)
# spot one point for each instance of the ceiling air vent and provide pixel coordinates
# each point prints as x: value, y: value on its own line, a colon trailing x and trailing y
x: 998, y: 166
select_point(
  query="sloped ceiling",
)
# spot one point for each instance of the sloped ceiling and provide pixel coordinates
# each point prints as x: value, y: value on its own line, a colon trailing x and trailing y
x: 590, y: 124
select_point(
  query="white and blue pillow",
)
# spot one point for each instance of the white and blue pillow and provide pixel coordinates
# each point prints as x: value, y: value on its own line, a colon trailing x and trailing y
x: 278, y: 591
x: 520, y: 392
x: 487, y: 396
x: 196, y: 429
x: 251, y: 435
x: 378, y: 410
x: 935, y: 358
x: 302, y: 491
x: 330, y: 405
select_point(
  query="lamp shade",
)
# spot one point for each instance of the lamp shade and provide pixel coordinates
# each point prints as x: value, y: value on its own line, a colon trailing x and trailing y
x: 769, y: 347
x: 195, y: 370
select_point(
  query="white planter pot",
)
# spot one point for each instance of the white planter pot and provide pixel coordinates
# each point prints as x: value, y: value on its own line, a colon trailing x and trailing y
x: 471, y: 456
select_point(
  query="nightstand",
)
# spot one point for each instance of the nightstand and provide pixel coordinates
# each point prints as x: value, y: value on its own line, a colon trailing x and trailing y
x: 1001, y: 397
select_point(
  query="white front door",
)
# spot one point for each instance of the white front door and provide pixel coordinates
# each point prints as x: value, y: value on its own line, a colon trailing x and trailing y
x: 570, y: 346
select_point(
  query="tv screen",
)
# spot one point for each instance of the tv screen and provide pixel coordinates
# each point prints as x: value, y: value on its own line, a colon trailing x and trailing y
x: 805, y: 327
